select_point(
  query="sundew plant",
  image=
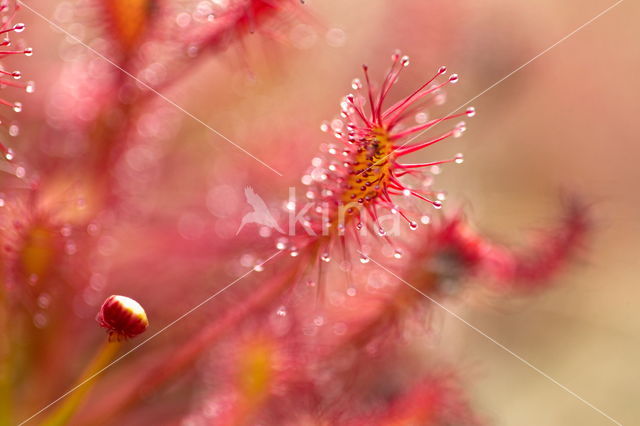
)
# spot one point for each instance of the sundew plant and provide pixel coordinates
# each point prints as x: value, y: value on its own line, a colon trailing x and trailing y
x: 145, y: 282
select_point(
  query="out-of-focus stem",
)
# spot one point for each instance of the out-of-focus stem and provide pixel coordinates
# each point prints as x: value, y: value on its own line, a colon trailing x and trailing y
x: 5, y: 365
x: 5, y: 391
x: 72, y: 402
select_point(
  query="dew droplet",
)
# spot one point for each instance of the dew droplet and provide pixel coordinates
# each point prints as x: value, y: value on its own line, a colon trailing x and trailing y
x: 421, y: 117
x: 437, y: 204
x: 397, y: 253
x: 459, y: 158
x: 454, y: 78
x: 356, y: 84
x: 351, y: 291
x: 193, y: 50
x: 319, y: 320
x: 337, y: 124
x: 30, y: 87
x: 471, y: 111
x: 335, y: 37
x: 66, y: 230
x: 281, y: 312
x: 461, y: 127
x: 382, y: 232
x: 70, y: 248
x: 405, y: 61
x: 294, y: 252
x: 442, y: 70
x: 17, y: 107
x: 28, y: 51
x: 413, y: 225
x: 364, y: 258
x: 16, y: 75
x: 44, y: 300
x: 9, y: 154
x: 325, y: 257
x: 259, y: 267
x: 93, y: 229
x: 265, y: 232
x: 425, y: 220
x: 40, y: 320
x: 19, y: 27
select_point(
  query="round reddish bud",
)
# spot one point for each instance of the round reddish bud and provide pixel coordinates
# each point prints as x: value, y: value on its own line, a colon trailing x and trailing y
x: 123, y: 317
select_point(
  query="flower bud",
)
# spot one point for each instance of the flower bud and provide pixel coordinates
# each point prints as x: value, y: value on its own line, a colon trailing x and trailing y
x: 123, y: 317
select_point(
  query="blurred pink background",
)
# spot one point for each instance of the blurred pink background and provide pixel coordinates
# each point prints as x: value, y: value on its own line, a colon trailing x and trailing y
x: 563, y: 123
